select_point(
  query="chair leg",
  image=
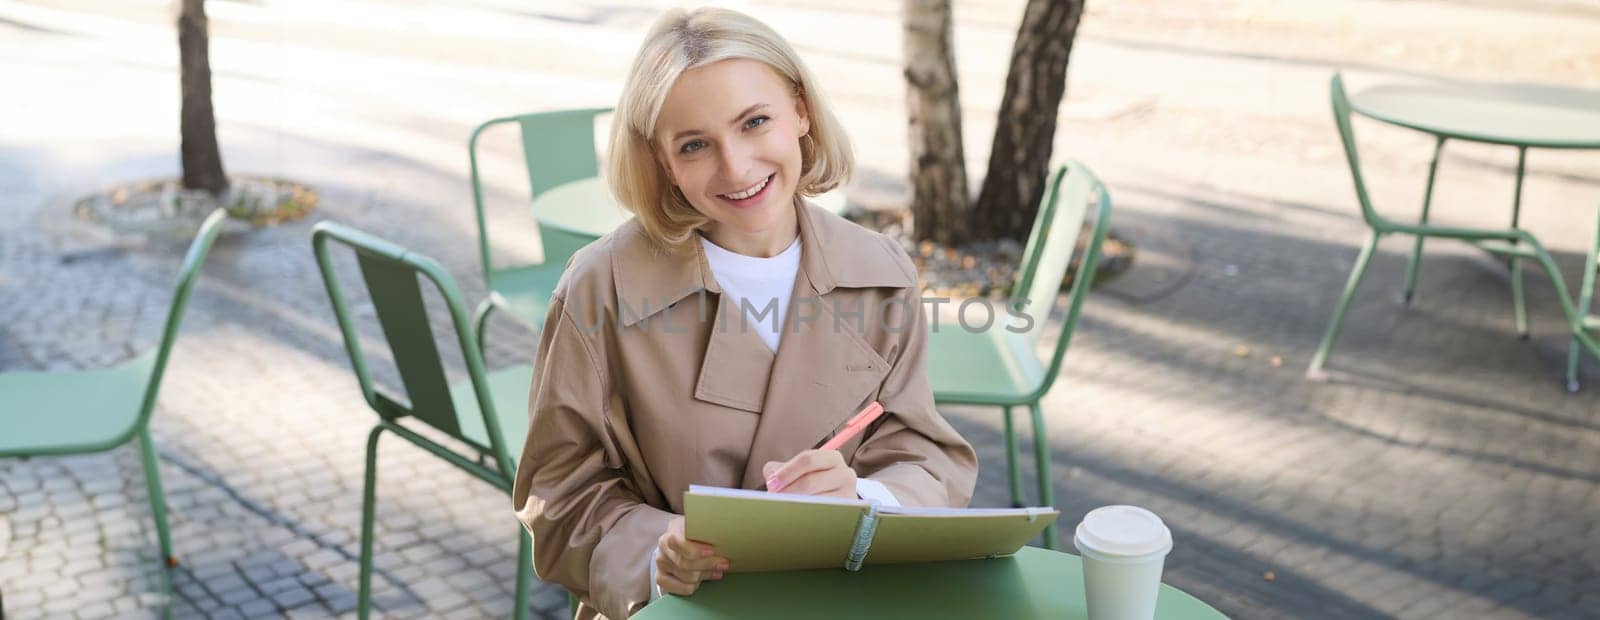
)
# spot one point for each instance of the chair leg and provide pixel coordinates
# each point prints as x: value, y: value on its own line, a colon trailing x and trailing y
x: 1041, y: 460
x: 158, y: 499
x: 1427, y: 201
x: 1013, y: 473
x: 524, y: 573
x: 158, y: 507
x: 481, y: 321
x: 1520, y: 307
x: 1572, y: 367
x: 1356, y: 273
x: 1585, y: 301
x: 368, y: 508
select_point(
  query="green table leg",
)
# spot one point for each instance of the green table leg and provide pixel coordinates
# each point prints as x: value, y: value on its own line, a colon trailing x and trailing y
x: 1427, y: 201
x: 1576, y: 321
x: 1520, y: 307
x: 1013, y: 473
x: 1356, y: 273
x: 1585, y: 299
x: 1041, y: 456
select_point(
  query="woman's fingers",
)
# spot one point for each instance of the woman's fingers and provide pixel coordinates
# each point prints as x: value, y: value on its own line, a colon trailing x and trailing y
x: 781, y: 477
x: 832, y: 482
x: 688, y: 576
x: 677, y: 553
x: 670, y: 584
x: 675, y: 578
x: 681, y: 564
x: 692, y: 556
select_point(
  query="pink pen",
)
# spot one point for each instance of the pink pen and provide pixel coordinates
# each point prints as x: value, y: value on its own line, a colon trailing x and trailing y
x: 855, y: 426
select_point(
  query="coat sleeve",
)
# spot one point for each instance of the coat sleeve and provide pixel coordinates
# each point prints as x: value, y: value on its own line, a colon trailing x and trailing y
x: 913, y: 450
x: 591, y: 530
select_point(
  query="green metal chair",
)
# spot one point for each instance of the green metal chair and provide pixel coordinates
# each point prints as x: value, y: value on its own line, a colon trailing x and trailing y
x: 1513, y: 243
x: 488, y: 412
x: 1585, y: 303
x: 999, y: 367
x: 557, y: 148
x: 88, y: 411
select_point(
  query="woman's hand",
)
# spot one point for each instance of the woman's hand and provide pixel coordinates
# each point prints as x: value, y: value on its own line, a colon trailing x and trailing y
x: 813, y: 472
x: 681, y: 564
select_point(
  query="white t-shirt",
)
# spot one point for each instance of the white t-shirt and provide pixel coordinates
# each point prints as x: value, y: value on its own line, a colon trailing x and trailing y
x: 760, y: 287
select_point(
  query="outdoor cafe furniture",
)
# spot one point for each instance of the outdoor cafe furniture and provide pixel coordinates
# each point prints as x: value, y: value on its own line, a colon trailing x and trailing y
x: 1034, y: 583
x: 87, y: 411
x: 487, y: 413
x: 557, y: 148
x: 1521, y: 116
x: 998, y: 367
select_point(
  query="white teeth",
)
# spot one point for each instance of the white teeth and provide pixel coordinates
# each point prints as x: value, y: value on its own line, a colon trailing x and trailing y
x: 756, y: 189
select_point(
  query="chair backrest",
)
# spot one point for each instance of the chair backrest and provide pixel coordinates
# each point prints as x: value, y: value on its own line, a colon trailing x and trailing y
x: 557, y: 147
x: 193, y: 259
x: 1347, y: 135
x: 393, y: 277
x: 1072, y: 197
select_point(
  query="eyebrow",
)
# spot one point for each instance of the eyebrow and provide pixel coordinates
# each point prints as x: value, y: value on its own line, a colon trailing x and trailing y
x: 746, y: 112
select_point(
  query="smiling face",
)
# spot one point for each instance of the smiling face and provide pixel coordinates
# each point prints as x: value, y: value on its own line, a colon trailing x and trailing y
x: 729, y: 138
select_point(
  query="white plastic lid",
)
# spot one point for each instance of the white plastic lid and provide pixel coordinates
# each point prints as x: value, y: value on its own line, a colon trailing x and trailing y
x: 1126, y: 531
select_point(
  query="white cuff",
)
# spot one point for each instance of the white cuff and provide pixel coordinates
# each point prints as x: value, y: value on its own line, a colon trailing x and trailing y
x: 869, y: 489
x: 655, y: 589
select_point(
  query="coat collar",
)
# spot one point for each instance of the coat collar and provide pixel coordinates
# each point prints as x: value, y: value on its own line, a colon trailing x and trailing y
x: 834, y: 252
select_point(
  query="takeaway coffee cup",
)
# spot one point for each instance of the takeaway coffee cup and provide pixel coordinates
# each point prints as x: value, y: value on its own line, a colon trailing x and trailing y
x: 1123, y: 549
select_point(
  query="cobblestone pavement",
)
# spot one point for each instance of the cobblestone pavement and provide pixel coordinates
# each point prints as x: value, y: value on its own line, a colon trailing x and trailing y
x: 1441, y: 471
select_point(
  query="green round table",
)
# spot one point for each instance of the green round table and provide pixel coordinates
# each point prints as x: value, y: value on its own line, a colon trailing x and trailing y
x: 1034, y: 583
x: 1520, y: 115
x: 586, y: 207
x: 1523, y: 116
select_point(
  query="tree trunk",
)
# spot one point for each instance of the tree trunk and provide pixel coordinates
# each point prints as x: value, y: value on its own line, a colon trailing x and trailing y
x: 939, y: 198
x: 201, y: 158
x: 1026, y: 125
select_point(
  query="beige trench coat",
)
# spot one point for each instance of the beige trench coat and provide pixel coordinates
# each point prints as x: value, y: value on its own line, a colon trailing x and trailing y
x: 645, y: 384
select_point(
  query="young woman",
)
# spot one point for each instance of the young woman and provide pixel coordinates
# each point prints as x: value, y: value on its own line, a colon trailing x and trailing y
x: 725, y: 331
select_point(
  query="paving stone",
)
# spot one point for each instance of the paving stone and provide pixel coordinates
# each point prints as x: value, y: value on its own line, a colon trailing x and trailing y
x: 278, y: 585
x: 322, y: 558
x: 445, y: 601
x: 239, y: 596
x: 466, y: 613
x: 292, y: 598
x: 315, y: 610
x: 340, y: 603
x: 257, y: 608
x: 225, y: 583
x: 99, y: 609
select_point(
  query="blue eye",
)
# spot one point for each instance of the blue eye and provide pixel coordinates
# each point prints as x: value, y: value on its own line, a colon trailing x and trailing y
x: 685, y: 148
x: 748, y: 124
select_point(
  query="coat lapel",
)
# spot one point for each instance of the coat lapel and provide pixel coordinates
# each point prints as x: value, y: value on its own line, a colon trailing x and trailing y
x: 737, y: 365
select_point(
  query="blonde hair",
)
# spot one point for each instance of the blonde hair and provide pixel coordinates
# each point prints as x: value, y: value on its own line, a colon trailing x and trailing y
x: 681, y: 40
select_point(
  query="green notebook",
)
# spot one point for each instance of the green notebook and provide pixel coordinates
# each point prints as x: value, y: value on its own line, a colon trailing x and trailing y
x: 761, y: 531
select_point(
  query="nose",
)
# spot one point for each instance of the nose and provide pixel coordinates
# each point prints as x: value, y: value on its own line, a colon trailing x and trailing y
x: 735, y: 164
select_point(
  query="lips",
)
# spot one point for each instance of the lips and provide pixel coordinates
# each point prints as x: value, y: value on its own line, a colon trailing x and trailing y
x: 761, y: 188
